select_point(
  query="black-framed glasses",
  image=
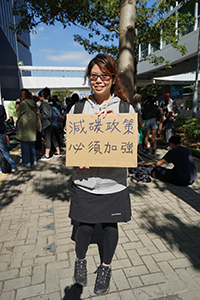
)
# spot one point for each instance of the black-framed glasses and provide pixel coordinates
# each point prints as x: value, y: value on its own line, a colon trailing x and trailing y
x: 103, y: 77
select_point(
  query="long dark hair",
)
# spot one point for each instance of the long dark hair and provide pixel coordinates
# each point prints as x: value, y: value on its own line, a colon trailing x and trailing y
x: 107, y: 64
x: 25, y: 94
x: 43, y: 94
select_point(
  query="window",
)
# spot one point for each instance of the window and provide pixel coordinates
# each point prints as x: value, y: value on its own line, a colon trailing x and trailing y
x: 184, y: 10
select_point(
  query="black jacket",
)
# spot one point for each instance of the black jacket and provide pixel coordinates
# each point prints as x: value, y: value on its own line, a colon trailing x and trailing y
x: 151, y: 111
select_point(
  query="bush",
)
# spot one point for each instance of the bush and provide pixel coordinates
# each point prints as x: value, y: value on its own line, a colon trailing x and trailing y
x: 195, y: 153
x: 190, y: 126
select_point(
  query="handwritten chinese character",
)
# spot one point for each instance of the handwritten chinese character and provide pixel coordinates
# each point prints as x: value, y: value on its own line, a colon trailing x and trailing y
x: 94, y: 146
x: 96, y: 126
x: 109, y: 147
x: 77, y: 127
x: 76, y: 147
x: 112, y: 126
x: 128, y: 126
x: 127, y: 147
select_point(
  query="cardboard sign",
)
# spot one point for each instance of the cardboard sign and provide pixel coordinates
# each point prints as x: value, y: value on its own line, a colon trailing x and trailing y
x: 96, y: 142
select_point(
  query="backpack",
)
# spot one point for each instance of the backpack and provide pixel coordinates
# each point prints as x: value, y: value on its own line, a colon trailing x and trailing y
x: 4, y: 164
x: 55, y: 117
x: 123, y: 106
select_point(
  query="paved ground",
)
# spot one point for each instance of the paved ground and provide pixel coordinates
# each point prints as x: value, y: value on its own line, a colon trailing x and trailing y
x: 158, y: 255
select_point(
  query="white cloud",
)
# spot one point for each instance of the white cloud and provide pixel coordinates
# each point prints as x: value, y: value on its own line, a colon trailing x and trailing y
x: 80, y: 57
x: 43, y: 52
x: 41, y: 28
x: 46, y: 51
x: 39, y: 33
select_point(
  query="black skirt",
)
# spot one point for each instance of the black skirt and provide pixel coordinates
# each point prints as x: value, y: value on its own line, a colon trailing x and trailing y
x: 99, y: 208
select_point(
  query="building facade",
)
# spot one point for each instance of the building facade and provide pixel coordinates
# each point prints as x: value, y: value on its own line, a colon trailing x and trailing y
x: 185, y: 65
x: 14, y: 50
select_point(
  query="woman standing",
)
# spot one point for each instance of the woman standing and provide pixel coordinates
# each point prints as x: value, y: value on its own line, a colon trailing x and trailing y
x: 26, y: 127
x: 151, y: 113
x: 45, y: 114
x: 97, y: 193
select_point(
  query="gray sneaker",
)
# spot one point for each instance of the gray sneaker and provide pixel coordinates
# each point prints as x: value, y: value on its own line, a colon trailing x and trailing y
x: 28, y: 165
x: 102, y: 284
x: 80, y: 272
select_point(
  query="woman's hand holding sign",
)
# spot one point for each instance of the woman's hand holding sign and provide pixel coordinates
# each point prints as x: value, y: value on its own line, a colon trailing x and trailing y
x: 104, y: 112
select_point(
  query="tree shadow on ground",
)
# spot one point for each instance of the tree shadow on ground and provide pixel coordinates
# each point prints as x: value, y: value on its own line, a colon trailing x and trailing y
x: 73, y: 292
x: 177, y: 226
x: 10, y: 188
x: 188, y: 194
x: 54, y: 183
x: 138, y: 189
x: 176, y: 233
x: 56, y: 179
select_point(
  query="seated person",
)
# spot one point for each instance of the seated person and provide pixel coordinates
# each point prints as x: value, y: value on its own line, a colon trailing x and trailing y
x: 184, y: 172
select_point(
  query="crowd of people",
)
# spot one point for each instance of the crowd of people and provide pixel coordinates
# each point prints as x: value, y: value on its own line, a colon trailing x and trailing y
x: 39, y: 126
x: 155, y: 120
x: 99, y: 195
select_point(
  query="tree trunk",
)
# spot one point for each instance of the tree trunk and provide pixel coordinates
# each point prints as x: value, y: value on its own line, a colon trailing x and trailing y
x: 126, y: 44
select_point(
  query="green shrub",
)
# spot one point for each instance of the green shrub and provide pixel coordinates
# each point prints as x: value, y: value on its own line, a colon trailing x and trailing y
x: 190, y: 126
x: 196, y: 153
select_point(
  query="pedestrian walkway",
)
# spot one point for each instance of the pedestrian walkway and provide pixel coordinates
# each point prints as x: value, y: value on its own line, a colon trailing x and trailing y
x: 158, y: 255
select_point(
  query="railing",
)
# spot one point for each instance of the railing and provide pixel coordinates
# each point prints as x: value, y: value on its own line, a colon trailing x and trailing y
x: 52, y: 71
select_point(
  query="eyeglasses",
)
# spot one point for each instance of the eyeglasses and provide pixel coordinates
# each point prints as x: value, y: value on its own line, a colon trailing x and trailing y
x: 103, y: 77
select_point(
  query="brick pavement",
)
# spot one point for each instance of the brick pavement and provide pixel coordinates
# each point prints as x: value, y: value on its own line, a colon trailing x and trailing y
x: 158, y: 255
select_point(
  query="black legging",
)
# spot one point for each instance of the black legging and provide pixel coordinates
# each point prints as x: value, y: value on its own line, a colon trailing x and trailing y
x: 49, y: 135
x: 110, y: 240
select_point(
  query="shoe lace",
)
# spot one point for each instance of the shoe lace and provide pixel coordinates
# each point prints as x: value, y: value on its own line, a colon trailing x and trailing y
x: 81, y: 267
x: 102, y: 274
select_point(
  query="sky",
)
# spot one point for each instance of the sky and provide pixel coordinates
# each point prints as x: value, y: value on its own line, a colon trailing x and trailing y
x: 55, y: 46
